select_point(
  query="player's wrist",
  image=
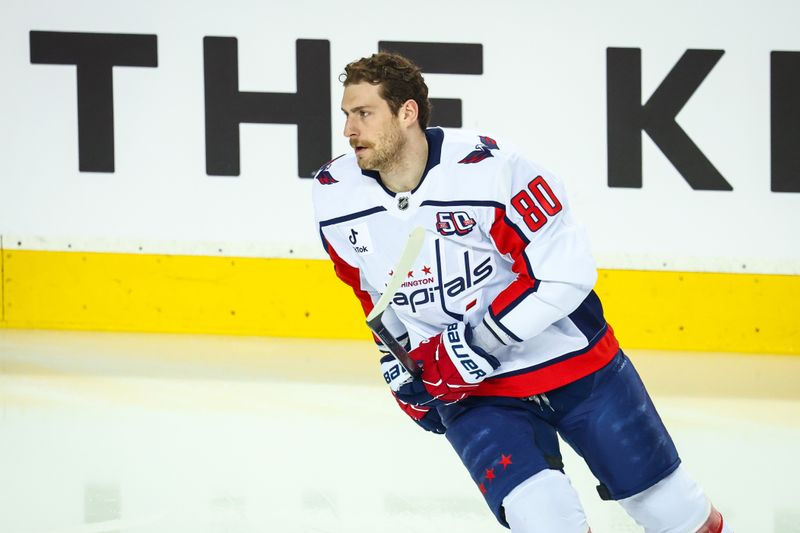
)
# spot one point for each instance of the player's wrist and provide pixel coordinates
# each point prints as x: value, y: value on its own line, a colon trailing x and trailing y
x: 472, y: 362
x: 469, y: 338
x: 482, y: 338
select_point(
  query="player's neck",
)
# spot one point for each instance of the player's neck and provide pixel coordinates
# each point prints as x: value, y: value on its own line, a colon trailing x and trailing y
x: 406, y: 172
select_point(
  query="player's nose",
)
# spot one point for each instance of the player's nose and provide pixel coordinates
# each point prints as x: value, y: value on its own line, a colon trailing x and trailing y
x: 349, y: 129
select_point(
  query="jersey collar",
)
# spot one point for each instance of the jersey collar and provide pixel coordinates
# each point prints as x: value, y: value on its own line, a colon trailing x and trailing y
x: 435, y: 137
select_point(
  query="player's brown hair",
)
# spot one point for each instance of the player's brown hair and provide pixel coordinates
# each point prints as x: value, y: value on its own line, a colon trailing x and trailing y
x: 400, y: 80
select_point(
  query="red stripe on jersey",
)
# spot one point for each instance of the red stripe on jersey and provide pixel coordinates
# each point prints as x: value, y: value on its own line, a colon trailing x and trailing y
x: 553, y: 376
x: 352, y: 276
x: 508, y: 241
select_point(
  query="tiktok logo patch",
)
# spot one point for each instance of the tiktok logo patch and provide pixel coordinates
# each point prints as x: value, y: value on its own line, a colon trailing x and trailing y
x: 360, y: 239
x: 454, y: 223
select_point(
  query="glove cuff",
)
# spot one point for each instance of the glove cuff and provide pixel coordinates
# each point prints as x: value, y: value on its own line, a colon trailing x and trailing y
x: 470, y: 339
x: 473, y: 366
x: 394, y: 373
x: 485, y: 338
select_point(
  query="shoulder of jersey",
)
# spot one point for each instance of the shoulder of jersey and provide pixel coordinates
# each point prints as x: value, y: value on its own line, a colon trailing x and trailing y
x: 464, y: 147
x: 340, y: 177
x: 335, y: 190
x: 340, y: 169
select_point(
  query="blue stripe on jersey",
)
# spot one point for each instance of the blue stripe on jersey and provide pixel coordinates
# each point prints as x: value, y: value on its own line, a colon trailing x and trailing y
x: 478, y: 203
x: 588, y: 317
x: 594, y: 340
x: 501, y: 326
x: 527, y: 242
x: 435, y: 138
x: 457, y: 316
x: 324, y: 242
x: 510, y: 307
x: 491, y: 330
x: 374, y: 174
x: 352, y: 216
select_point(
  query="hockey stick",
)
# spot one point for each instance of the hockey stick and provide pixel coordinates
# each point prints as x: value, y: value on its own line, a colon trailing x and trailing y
x: 404, y: 264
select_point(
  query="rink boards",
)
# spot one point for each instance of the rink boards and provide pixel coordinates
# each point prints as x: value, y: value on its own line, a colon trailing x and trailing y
x: 303, y: 298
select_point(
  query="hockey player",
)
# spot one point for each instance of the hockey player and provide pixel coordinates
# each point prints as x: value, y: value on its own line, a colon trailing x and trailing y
x: 500, y: 311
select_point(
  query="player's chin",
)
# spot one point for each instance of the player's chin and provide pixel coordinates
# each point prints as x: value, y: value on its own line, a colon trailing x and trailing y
x: 364, y: 163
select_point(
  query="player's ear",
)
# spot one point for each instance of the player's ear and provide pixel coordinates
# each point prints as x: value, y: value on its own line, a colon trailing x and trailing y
x: 409, y: 112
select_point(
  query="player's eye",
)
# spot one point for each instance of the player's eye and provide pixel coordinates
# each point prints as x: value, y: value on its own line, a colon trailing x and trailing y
x: 363, y: 114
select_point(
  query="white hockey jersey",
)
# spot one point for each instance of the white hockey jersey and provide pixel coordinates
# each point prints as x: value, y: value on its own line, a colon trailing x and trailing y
x: 501, y: 248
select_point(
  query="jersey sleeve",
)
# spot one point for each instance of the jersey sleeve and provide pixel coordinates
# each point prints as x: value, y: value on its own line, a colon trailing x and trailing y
x: 549, y: 251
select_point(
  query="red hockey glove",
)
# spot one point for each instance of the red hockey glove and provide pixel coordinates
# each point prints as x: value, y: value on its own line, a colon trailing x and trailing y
x: 426, y: 417
x: 451, y: 368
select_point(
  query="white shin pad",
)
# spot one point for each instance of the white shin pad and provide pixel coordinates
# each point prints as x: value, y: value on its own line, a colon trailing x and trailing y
x: 544, y: 503
x: 676, y: 504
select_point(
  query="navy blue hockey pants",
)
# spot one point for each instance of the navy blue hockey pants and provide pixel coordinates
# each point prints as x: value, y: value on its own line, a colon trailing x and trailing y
x: 607, y: 417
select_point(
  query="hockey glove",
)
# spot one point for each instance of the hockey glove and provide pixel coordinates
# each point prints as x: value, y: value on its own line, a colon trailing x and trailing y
x: 426, y: 417
x: 451, y: 368
x: 397, y: 376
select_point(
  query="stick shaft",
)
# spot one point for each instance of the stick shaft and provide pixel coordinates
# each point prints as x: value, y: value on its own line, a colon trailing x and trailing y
x: 404, y: 264
x: 374, y: 318
x: 400, y: 353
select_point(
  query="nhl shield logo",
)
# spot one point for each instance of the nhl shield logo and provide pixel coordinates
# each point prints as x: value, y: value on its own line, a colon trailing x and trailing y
x: 402, y: 203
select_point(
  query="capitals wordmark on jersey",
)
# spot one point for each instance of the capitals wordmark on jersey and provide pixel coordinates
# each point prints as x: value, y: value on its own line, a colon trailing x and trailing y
x: 449, y: 290
x: 502, y: 249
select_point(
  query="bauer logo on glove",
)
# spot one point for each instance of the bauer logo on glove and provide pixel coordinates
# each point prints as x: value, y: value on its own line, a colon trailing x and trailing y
x: 451, y: 368
x: 472, y: 369
x: 393, y: 372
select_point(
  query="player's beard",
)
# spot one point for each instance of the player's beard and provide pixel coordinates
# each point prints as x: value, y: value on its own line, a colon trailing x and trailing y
x: 385, y: 150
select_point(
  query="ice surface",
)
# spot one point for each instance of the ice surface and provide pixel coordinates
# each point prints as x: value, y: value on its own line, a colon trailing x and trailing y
x: 111, y: 432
